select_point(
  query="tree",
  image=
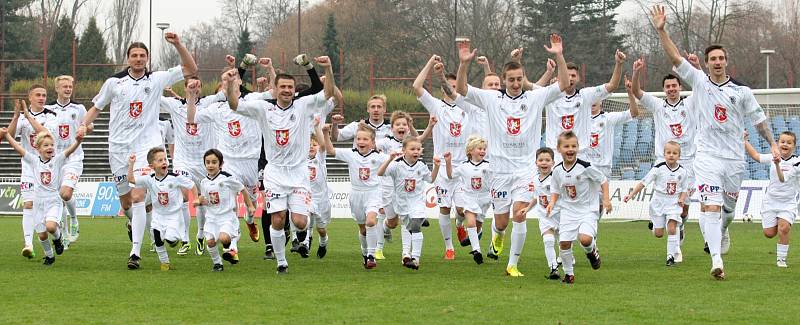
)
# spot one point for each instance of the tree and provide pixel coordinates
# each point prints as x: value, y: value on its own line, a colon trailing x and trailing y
x: 124, y: 16
x: 19, y: 39
x: 245, y: 46
x: 92, y: 49
x: 59, y: 51
x: 329, y: 42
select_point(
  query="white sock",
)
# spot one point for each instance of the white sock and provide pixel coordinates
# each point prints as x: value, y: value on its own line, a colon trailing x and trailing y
x: 588, y: 249
x: 372, y: 240
x: 550, y: 250
x: 323, y: 241
x: 138, y: 227
x: 447, y: 230
x: 27, y: 226
x: 71, y: 209
x: 713, y: 233
x: 235, y: 241
x: 518, y: 234
x: 672, y: 244
x: 566, y: 261
x: 380, y: 224
x: 278, y: 245
x: 201, y: 222
x: 162, y: 254
x: 782, y: 251
x: 416, y: 245
x: 363, y: 240
x: 214, y: 252
x: 406, y: 239
x: 472, y: 232
x: 727, y: 218
x: 48, y: 249
x: 57, y: 234
x: 187, y: 221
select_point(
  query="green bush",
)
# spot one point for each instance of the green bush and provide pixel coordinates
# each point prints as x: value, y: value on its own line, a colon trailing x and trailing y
x: 85, y: 91
x: 398, y: 99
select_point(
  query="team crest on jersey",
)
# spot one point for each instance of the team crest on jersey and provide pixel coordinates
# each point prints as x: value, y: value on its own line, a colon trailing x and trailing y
x: 63, y: 131
x: 234, y: 128
x: 411, y: 185
x: 677, y: 129
x: 191, y: 128
x: 720, y: 113
x: 213, y: 197
x: 46, y: 177
x: 363, y: 173
x: 312, y: 173
x: 163, y: 198
x: 477, y: 183
x: 147, y: 90
x: 567, y: 122
x: 594, y: 140
x: 672, y: 188
x: 455, y: 129
x: 523, y: 107
x: 572, y: 192
x: 135, y: 109
x: 543, y: 201
x: 282, y: 137
x: 514, y: 125
x: 733, y: 100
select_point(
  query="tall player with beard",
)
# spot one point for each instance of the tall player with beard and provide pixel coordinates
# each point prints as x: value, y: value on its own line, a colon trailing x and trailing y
x: 134, y: 95
x: 514, y: 134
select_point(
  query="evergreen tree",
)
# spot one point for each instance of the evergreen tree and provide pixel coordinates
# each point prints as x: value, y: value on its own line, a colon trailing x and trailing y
x: 92, y: 49
x: 20, y: 40
x: 59, y: 51
x: 330, y: 44
x: 245, y: 45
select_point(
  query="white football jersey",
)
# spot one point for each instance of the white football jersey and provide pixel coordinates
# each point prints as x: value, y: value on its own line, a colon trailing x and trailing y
x: 363, y: 169
x: 572, y: 113
x: 389, y: 144
x: 479, y: 118
x: 452, y: 129
x: 317, y: 177
x: 541, y: 192
x: 166, y: 193
x: 781, y: 196
x: 722, y: 112
x: 515, y: 124
x: 237, y: 136
x: 473, y: 178
x: 220, y: 193
x: 134, y: 108
x: 167, y: 134
x: 191, y: 140
x: 68, y: 119
x: 601, y: 140
x: 267, y: 95
x: 668, y: 182
x: 676, y: 122
x: 46, y: 174
x: 578, y: 188
x: 409, y: 182
x: 27, y: 135
x: 349, y: 131
x: 285, y: 130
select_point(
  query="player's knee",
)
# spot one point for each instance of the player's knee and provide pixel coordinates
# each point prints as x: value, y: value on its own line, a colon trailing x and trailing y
x: 211, y: 243
x: 565, y: 245
x: 770, y: 232
x: 51, y: 227
x: 783, y: 228
x: 66, y: 193
x: 322, y: 231
x: 443, y: 210
x: 43, y: 236
x: 391, y: 223
x: 27, y: 205
x: 585, y: 240
x: 658, y: 232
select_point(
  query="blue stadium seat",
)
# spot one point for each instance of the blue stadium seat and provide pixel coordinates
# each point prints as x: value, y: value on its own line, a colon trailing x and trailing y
x: 761, y: 175
x: 628, y: 175
x: 641, y: 174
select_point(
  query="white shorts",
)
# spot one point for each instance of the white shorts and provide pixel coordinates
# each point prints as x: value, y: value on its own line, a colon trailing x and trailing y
x: 568, y: 230
x: 26, y: 188
x: 660, y: 221
x: 47, y: 210
x: 509, y: 188
x: 548, y: 223
x: 246, y: 171
x: 221, y: 224
x: 387, y: 201
x: 321, y: 216
x: 769, y: 219
x: 362, y: 203
x: 287, y: 188
x: 663, y: 209
x: 168, y: 225
x: 715, y: 177
x: 119, y: 168
x: 70, y: 174
x: 477, y: 205
x: 445, y: 191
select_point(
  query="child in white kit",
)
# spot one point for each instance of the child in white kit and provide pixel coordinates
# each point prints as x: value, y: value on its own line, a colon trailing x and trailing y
x: 671, y: 185
x: 548, y: 223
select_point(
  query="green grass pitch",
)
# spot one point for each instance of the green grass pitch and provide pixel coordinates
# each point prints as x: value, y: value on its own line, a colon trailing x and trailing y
x: 90, y: 283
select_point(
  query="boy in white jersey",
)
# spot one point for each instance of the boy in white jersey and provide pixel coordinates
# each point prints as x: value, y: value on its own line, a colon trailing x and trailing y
x: 286, y: 123
x: 320, y: 213
x: 779, y: 206
x: 574, y: 189
x: 600, y: 151
x: 449, y: 135
x: 363, y: 162
x: 218, y: 196
x: 472, y: 178
x: 166, y: 195
x: 571, y: 112
x: 548, y: 223
x: 46, y: 167
x: 24, y: 129
x: 514, y: 135
x: 671, y: 183
x: 134, y: 96
x: 409, y: 176
x: 723, y: 107
x: 69, y: 115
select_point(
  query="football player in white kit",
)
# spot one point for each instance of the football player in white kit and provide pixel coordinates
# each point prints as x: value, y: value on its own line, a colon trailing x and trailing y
x: 22, y: 128
x: 574, y: 189
x: 670, y: 183
x: 548, y: 223
x: 376, y: 110
x: 600, y: 151
x: 723, y: 106
x: 779, y: 206
x: 514, y: 134
x: 134, y: 96
x: 286, y: 122
x: 69, y: 115
x: 46, y: 167
x: 449, y: 135
x: 166, y: 194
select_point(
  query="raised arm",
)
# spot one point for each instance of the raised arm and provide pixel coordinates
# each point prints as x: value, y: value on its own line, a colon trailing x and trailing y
x: 659, y: 16
x: 326, y: 143
x: 632, y: 105
x: 385, y: 164
x: 465, y: 57
x: 619, y: 61
x: 14, y: 144
x: 192, y: 93
x: 131, y: 163
x: 12, y: 126
x: 557, y: 48
x: 550, y: 68
x: 336, y: 119
x: 266, y: 63
x: 329, y: 85
x: 428, y: 130
x: 484, y: 62
x: 187, y: 61
x: 635, y: 86
x: 448, y: 164
x: 419, y: 82
x: 74, y: 146
x: 231, y: 88
x: 765, y: 132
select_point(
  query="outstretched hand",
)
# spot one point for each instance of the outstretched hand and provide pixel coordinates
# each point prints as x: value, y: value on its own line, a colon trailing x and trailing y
x: 659, y: 16
x: 172, y: 38
x: 556, y: 45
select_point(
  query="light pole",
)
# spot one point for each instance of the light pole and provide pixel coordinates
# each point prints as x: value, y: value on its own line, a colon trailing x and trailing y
x: 767, y: 53
x: 162, y: 27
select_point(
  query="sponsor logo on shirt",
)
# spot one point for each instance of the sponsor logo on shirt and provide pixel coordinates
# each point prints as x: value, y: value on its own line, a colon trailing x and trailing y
x: 135, y: 109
